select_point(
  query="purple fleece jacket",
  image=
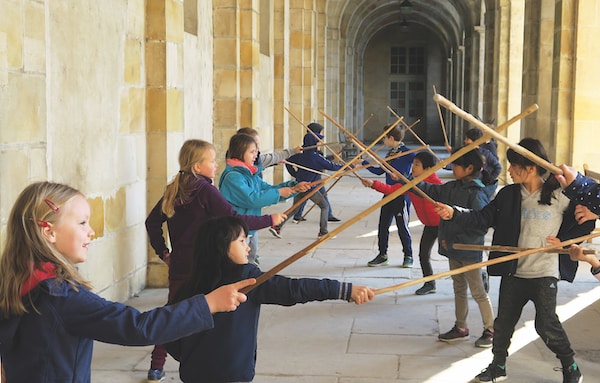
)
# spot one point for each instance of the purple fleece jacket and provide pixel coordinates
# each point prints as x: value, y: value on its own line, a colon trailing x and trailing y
x: 204, y: 202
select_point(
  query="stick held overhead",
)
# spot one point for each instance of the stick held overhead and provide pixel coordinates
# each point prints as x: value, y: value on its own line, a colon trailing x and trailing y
x: 486, y: 129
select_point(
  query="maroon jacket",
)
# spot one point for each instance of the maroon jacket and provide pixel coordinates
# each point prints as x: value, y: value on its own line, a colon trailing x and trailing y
x: 204, y: 202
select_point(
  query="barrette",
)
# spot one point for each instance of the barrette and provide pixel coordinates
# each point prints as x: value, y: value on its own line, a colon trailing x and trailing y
x: 52, y: 205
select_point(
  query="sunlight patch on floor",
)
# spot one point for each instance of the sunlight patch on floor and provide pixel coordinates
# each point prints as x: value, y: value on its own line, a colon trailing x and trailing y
x: 521, y: 338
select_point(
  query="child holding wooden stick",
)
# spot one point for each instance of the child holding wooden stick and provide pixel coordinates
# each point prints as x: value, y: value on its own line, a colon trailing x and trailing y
x: 228, y: 352
x: 466, y: 191
x: 187, y: 202
x: 307, y: 160
x: 49, y: 318
x: 425, y: 211
x: 528, y: 213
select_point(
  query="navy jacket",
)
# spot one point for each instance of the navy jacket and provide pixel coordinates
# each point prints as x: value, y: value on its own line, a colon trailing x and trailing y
x: 227, y: 353
x: 312, y: 159
x: 503, y: 213
x: 55, y: 345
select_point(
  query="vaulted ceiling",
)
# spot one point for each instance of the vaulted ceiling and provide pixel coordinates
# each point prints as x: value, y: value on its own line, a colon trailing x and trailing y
x: 358, y: 20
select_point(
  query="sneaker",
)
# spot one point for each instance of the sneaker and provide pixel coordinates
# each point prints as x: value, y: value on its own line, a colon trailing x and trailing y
x: 428, y: 288
x: 454, y: 335
x: 571, y: 374
x: 408, y: 262
x: 333, y: 219
x: 322, y: 234
x: 275, y: 231
x: 493, y: 373
x: 298, y: 220
x: 379, y: 260
x: 486, y: 339
x: 486, y: 280
x: 156, y: 376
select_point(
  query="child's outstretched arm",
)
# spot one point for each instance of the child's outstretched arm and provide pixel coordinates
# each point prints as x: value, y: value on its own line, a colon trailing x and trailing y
x: 228, y: 297
x: 576, y: 253
x: 362, y: 294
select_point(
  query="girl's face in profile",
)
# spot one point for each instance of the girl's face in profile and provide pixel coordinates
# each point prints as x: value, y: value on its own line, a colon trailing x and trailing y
x: 238, y: 250
x: 520, y: 174
x: 250, y: 154
x: 71, y: 234
x: 208, y: 166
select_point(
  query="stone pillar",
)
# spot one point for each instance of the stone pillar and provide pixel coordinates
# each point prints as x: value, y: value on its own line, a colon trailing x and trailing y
x: 281, y: 52
x: 586, y: 80
x: 510, y: 27
x: 226, y: 93
x: 164, y: 105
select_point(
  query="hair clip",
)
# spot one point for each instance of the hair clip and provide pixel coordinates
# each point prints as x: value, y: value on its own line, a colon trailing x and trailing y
x: 181, y: 172
x: 52, y: 205
x: 42, y: 223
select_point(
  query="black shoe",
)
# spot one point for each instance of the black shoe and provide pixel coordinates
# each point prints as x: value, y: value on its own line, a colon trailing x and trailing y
x: 408, y: 262
x: 571, y: 374
x: 298, y: 220
x: 486, y: 280
x: 428, y: 288
x: 493, y: 373
x: 275, y: 231
x: 333, y: 219
x: 379, y: 260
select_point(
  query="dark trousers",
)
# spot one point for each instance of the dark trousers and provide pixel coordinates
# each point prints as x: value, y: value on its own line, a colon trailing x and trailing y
x: 397, y: 208
x: 514, y: 294
x: 159, y: 353
x: 430, y: 234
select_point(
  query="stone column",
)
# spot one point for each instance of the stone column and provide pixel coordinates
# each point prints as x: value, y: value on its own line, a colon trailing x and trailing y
x: 164, y: 106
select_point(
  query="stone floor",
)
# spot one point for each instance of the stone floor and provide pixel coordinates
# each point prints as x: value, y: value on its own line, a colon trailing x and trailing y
x: 391, y: 339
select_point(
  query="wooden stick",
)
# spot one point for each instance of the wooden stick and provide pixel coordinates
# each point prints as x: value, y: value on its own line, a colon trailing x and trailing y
x: 384, y: 164
x: 337, y: 156
x: 441, y: 119
x: 338, y: 172
x: 486, y: 129
x: 305, y: 168
x: 343, y: 174
x: 509, y: 249
x: 409, y: 128
x: 392, y: 157
x: 326, y: 191
x: 479, y: 265
x: 426, y: 173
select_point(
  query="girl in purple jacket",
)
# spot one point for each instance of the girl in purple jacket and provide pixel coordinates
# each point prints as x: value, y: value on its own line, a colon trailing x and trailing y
x: 189, y: 201
x: 49, y: 318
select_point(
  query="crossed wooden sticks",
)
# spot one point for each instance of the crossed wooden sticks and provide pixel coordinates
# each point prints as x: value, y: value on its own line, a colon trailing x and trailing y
x: 426, y: 173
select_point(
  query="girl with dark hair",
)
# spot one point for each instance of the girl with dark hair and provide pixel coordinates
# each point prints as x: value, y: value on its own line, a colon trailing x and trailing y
x: 529, y: 213
x: 242, y: 185
x: 228, y: 352
x: 468, y: 192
